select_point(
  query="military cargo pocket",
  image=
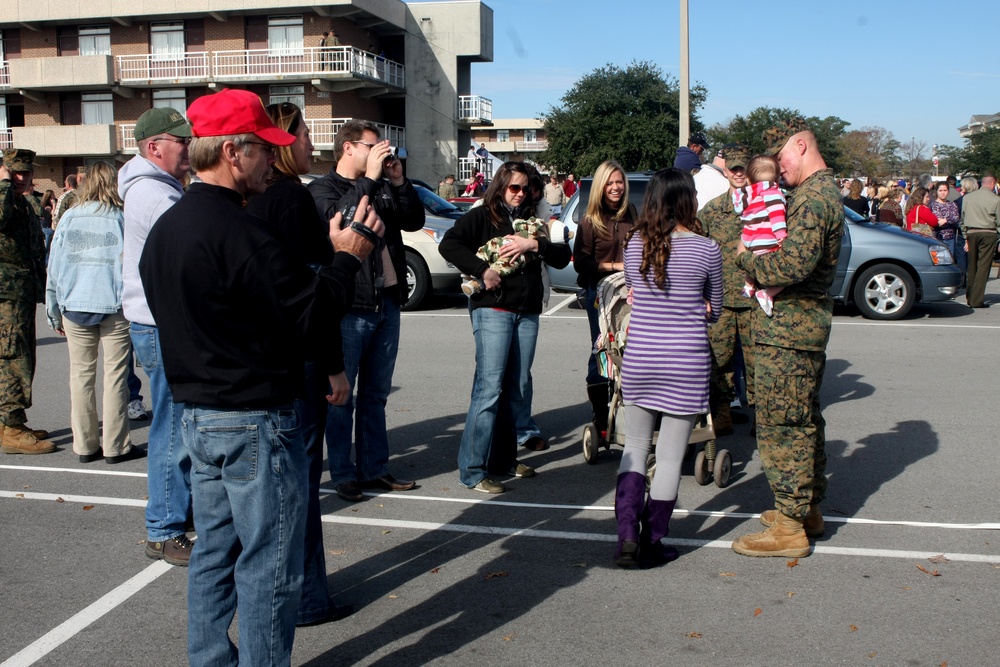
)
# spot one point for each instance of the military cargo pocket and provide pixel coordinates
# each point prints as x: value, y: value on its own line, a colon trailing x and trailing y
x: 10, y: 341
x: 784, y: 400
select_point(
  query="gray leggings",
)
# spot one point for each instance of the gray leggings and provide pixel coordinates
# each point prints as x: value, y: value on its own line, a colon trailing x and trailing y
x: 675, y: 431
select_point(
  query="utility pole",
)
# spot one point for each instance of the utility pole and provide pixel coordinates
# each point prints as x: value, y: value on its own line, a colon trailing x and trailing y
x: 684, y: 124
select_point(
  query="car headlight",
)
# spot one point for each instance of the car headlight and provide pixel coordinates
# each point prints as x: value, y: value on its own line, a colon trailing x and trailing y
x: 436, y: 234
x: 940, y: 255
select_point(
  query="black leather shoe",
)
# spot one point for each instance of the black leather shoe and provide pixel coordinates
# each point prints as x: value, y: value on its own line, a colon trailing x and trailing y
x: 349, y: 491
x: 390, y: 483
x: 90, y: 458
x: 337, y: 612
x: 130, y: 455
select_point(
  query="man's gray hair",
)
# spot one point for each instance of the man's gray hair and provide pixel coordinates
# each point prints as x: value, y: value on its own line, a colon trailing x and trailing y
x: 205, y: 152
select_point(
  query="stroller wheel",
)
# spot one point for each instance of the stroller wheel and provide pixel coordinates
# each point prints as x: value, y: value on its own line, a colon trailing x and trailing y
x: 723, y: 466
x: 591, y: 444
x: 702, y: 472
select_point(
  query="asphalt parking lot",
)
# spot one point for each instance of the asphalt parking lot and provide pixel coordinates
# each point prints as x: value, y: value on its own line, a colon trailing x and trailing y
x: 907, y: 574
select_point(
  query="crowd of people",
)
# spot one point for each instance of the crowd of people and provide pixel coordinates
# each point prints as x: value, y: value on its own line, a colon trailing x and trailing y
x: 266, y: 316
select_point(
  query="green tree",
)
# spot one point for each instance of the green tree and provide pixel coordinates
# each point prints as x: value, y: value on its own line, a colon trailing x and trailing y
x: 865, y: 151
x: 626, y: 114
x: 749, y: 130
x: 984, y: 151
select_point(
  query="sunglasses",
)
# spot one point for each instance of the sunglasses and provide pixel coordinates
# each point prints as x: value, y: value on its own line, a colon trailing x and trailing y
x: 181, y: 140
x: 270, y: 149
x: 514, y: 188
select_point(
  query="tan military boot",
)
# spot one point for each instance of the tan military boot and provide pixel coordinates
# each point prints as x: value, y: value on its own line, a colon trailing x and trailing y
x: 722, y: 421
x: 784, y: 537
x: 813, y: 523
x: 20, y: 440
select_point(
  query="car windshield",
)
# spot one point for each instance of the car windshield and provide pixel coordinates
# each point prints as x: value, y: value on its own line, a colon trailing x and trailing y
x: 853, y: 216
x: 435, y: 204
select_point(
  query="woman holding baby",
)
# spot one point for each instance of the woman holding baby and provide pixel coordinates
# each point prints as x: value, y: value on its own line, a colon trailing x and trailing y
x: 504, y: 323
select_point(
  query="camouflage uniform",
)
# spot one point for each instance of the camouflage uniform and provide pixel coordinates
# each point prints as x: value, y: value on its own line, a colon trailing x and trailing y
x: 791, y: 345
x: 720, y: 221
x: 22, y: 286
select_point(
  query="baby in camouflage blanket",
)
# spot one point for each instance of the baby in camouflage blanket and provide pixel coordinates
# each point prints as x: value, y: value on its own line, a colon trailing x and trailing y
x: 532, y: 228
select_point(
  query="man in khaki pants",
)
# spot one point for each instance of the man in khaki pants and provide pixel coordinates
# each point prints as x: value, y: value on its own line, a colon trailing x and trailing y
x: 979, y: 222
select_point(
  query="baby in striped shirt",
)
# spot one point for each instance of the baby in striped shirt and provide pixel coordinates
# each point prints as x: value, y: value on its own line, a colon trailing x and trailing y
x: 761, y: 207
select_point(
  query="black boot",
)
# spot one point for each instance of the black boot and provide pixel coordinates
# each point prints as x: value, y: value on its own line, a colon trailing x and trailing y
x: 598, y: 395
x: 655, y: 526
x: 629, y: 494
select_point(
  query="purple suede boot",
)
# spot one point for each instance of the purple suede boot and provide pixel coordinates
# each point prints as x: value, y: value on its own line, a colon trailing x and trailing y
x: 656, y: 525
x: 629, y: 496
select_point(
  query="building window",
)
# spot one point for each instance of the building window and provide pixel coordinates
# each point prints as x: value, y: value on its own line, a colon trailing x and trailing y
x: 294, y: 94
x: 530, y: 135
x: 175, y: 98
x: 503, y: 135
x: 166, y: 40
x: 97, y: 108
x: 284, y: 35
x: 95, y: 40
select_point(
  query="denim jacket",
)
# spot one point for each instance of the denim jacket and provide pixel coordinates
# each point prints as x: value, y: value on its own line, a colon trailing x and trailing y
x: 85, y: 262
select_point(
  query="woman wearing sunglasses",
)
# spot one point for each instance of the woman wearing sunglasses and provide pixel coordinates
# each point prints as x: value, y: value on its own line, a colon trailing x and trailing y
x: 504, y: 323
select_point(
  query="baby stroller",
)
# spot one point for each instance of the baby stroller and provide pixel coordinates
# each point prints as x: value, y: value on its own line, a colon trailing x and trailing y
x: 614, y: 312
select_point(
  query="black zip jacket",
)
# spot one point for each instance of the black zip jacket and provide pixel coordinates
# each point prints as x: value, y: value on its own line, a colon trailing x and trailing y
x: 521, y: 291
x: 400, y: 210
x: 237, y: 315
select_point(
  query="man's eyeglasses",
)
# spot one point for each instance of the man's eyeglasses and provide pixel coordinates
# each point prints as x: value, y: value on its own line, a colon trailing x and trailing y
x: 364, y: 143
x: 177, y: 140
x: 270, y: 149
x: 515, y: 188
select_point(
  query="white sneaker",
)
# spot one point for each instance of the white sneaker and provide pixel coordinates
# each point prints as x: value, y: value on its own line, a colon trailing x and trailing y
x: 136, y: 410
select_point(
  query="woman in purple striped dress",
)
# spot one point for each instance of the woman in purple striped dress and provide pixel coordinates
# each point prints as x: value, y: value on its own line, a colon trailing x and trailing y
x: 675, y: 277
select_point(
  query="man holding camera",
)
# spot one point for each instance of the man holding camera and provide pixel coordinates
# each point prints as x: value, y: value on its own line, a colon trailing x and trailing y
x: 371, y: 328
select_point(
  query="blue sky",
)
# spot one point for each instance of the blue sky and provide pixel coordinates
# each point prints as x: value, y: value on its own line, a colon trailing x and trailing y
x: 918, y: 68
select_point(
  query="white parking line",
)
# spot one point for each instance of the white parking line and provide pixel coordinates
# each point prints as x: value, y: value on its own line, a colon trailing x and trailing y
x: 562, y: 304
x: 604, y: 537
x: 66, y: 630
x: 897, y: 324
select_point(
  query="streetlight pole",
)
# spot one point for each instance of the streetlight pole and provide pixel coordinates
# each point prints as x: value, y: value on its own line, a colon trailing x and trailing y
x: 684, y: 124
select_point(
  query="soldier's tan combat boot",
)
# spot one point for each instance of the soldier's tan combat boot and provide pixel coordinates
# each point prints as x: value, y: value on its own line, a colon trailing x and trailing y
x: 722, y: 421
x: 784, y: 537
x: 19, y: 440
x: 813, y: 524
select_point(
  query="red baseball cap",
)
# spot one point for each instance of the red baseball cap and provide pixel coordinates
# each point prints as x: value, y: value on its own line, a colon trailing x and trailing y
x: 233, y: 111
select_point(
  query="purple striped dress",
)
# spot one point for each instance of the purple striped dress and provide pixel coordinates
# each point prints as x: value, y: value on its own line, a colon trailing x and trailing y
x: 667, y: 357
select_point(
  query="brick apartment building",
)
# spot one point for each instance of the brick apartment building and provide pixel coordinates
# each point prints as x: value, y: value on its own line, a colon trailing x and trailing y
x: 74, y: 77
x: 508, y: 139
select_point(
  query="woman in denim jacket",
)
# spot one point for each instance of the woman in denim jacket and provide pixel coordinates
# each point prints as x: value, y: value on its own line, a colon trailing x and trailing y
x: 83, y: 300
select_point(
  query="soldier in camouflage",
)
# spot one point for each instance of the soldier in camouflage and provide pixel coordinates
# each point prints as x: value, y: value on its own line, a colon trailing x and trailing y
x: 790, y: 347
x: 22, y: 286
x: 721, y: 222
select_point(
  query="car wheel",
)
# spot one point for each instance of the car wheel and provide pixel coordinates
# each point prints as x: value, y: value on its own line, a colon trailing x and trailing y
x: 418, y: 281
x: 884, y: 292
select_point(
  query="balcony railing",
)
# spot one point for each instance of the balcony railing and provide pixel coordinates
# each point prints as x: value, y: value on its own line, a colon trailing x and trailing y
x: 4, y: 75
x: 306, y: 62
x: 321, y: 131
x: 149, y: 67
x: 6, y: 138
x: 475, y: 109
x: 530, y: 146
x: 467, y: 168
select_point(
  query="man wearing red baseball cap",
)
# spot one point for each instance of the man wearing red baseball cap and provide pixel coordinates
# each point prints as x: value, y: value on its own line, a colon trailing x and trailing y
x: 237, y: 319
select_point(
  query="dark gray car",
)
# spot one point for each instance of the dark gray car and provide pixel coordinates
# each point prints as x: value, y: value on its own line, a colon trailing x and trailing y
x: 882, y: 269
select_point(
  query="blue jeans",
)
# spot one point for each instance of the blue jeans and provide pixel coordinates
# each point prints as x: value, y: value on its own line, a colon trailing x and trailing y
x: 371, y: 341
x: 249, y: 478
x: 505, y: 349
x: 316, y: 603
x: 168, y: 465
x: 134, y: 383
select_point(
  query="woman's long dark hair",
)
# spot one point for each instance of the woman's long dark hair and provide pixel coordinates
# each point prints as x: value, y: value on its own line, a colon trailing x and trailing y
x: 493, y: 199
x: 671, y: 200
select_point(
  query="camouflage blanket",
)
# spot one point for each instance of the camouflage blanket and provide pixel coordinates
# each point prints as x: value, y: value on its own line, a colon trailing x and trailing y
x: 532, y: 228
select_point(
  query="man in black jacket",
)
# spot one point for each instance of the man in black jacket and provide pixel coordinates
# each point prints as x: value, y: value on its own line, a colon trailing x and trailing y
x: 371, y: 328
x: 237, y: 317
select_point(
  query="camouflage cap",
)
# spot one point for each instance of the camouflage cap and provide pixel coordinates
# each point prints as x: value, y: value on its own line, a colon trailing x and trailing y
x: 736, y: 156
x: 19, y: 159
x: 776, y: 137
